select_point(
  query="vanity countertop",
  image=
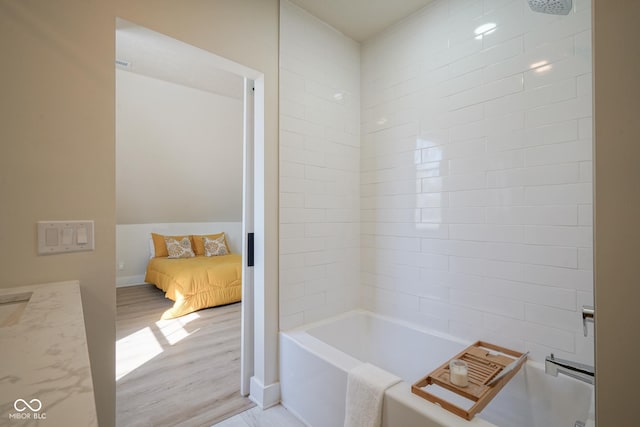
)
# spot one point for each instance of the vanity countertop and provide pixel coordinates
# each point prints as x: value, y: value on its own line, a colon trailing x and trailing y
x: 45, y: 376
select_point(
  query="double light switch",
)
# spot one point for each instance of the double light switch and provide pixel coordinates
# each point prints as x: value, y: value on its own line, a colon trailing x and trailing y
x: 65, y: 236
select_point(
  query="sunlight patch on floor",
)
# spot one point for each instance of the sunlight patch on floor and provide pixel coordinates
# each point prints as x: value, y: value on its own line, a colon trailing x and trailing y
x: 135, y: 350
x: 173, y: 329
x: 138, y: 348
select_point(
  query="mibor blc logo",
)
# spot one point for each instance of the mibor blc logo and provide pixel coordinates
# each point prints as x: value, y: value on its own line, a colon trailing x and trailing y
x: 27, y: 410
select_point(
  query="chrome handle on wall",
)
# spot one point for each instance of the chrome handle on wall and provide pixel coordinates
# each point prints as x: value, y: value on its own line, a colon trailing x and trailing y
x: 588, y: 315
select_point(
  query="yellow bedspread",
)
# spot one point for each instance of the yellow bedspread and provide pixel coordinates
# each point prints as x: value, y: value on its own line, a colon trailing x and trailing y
x: 197, y: 283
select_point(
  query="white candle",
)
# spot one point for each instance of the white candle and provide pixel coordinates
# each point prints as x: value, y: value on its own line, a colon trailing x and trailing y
x: 458, y: 373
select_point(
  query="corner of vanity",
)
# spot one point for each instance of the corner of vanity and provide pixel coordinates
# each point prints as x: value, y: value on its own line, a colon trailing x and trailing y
x: 45, y: 374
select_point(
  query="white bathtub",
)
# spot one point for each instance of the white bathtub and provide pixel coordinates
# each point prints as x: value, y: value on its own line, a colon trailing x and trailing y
x: 314, y: 362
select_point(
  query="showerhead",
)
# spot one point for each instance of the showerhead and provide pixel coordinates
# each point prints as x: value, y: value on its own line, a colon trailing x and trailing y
x: 553, y: 7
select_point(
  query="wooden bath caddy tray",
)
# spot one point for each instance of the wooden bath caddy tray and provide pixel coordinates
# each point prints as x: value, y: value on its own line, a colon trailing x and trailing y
x: 482, y: 367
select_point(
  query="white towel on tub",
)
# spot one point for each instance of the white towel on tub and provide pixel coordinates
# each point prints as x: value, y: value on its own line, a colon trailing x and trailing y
x: 366, y: 384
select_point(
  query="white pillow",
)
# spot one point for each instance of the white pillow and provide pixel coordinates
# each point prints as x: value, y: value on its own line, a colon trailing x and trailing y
x: 179, y: 248
x: 214, y: 247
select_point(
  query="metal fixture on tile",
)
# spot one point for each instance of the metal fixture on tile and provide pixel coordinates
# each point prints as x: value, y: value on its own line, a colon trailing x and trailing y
x: 588, y: 315
x: 552, y: 7
x: 579, y: 371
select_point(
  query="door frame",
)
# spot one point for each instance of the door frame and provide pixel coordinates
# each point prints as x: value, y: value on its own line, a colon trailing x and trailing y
x: 248, y: 213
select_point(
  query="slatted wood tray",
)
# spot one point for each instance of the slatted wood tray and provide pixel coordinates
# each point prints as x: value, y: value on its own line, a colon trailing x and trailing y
x: 482, y: 367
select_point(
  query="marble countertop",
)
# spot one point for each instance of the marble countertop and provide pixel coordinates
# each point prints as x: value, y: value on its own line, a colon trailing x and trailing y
x: 45, y: 376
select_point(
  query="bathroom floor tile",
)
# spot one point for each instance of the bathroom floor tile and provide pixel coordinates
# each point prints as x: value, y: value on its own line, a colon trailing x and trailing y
x: 276, y: 416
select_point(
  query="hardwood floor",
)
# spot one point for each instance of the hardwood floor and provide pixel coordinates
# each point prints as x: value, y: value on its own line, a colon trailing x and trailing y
x: 179, y: 372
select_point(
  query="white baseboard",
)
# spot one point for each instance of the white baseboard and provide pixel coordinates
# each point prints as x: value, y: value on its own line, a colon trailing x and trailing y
x: 124, y: 281
x: 264, y: 397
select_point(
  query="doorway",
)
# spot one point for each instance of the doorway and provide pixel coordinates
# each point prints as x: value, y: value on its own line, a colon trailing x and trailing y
x: 252, y: 111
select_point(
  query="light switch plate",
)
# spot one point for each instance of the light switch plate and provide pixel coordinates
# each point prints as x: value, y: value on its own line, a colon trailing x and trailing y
x: 65, y: 236
x: 51, y: 237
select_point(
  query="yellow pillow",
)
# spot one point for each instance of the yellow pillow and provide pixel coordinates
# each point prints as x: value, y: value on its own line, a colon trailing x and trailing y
x: 179, y: 248
x: 160, y: 246
x: 198, y: 242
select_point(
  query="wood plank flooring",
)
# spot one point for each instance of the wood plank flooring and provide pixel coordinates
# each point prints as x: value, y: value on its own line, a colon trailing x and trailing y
x: 180, y: 372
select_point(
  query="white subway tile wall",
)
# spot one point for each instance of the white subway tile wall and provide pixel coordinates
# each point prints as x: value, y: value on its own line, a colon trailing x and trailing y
x: 319, y: 169
x: 463, y: 202
x: 476, y: 174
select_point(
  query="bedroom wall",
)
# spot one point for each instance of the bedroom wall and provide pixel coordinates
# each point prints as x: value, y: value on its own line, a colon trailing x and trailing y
x: 477, y: 174
x: 319, y: 169
x: 178, y: 166
x: 133, y: 251
x: 178, y: 153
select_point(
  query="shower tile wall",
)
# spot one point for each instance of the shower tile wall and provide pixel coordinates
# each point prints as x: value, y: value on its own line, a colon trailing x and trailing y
x: 319, y: 169
x: 476, y: 183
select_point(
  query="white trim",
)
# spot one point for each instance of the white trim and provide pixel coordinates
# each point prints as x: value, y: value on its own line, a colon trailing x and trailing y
x: 265, y: 289
x: 264, y: 397
x: 125, y: 281
x: 248, y: 214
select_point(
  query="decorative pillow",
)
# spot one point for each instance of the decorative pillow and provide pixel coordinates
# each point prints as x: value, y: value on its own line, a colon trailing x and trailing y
x: 215, y: 247
x: 198, y: 242
x: 160, y: 246
x: 179, y: 248
x: 152, y: 249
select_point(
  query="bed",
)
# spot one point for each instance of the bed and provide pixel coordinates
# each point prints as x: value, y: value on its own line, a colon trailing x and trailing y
x: 196, y: 282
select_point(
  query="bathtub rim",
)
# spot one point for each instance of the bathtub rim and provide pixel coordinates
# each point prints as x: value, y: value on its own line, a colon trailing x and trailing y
x: 298, y: 333
x: 332, y: 355
x: 394, y: 320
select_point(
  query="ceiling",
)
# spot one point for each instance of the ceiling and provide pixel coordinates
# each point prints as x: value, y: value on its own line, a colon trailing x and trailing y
x: 158, y: 56
x: 361, y: 19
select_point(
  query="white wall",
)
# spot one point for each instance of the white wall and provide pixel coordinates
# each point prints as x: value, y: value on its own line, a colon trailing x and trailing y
x: 178, y: 153
x: 319, y: 169
x: 133, y: 251
x: 476, y: 174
